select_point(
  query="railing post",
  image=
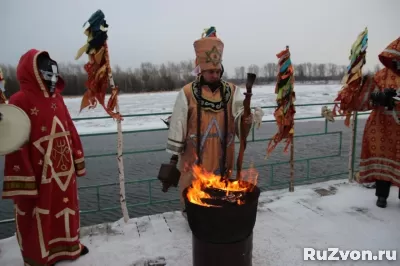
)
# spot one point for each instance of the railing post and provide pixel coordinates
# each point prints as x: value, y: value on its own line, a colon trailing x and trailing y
x: 98, y: 198
x: 326, y: 126
x: 353, y: 146
x: 272, y: 173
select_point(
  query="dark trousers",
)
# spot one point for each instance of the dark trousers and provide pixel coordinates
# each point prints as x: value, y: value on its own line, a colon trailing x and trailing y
x: 383, y: 189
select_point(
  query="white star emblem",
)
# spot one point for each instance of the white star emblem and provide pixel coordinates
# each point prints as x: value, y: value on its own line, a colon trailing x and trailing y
x: 57, y: 174
x: 34, y: 111
x: 16, y: 168
x: 44, y: 128
x: 54, y: 106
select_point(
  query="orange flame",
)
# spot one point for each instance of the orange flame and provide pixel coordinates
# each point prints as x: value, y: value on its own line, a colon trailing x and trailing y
x: 203, y: 180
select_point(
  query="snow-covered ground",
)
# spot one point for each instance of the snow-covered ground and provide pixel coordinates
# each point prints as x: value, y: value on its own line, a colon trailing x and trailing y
x: 164, y: 102
x: 345, y: 218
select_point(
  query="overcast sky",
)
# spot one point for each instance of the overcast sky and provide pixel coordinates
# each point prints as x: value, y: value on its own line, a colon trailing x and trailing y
x: 318, y: 31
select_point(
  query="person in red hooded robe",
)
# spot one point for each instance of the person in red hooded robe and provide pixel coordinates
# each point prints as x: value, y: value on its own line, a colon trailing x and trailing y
x: 40, y: 177
x: 3, y: 98
x: 380, y: 152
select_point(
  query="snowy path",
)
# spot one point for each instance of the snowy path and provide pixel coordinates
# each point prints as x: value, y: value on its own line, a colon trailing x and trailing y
x: 329, y: 214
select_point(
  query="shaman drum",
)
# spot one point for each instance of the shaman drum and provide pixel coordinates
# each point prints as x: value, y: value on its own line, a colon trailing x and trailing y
x: 15, y: 128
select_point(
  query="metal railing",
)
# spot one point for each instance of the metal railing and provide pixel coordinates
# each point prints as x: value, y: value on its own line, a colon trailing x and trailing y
x: 270, y: 184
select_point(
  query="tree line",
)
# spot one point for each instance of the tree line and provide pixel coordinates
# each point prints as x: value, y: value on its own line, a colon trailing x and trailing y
x: 171, y: 76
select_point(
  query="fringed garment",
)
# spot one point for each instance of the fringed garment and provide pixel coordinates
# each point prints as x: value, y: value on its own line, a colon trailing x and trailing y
x: 284, y: 113
x: 352, y: 79
x: 380, y: 151
x: 98, y: 68
x: 183, y: 135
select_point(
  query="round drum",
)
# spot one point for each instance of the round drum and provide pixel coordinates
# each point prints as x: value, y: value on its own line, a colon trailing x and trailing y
x: 15, y: 128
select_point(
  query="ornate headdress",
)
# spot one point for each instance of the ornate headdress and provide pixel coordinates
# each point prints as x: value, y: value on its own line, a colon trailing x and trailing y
x: 209, y: 50
x: 390, y: 54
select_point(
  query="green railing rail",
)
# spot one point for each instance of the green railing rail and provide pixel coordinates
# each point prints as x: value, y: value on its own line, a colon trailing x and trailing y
x: 272, y: 183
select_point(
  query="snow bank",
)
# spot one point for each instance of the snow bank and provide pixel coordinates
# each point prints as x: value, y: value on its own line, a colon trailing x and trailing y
x: 330, y: 214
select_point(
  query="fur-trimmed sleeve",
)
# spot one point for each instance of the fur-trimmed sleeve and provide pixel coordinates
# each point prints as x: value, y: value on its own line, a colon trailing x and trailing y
x: 178, y: 125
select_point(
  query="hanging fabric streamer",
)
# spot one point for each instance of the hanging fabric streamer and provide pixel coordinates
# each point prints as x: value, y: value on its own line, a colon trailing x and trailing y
x: 285, y: 111
x: 99, y: 79
x: 352, y: 79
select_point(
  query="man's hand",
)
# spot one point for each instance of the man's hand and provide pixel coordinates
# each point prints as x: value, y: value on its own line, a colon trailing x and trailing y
x: 255, y: 117
x: 248, y: 120
x: 397, y: 97
x: 390, y: 101
x: 384, y: 98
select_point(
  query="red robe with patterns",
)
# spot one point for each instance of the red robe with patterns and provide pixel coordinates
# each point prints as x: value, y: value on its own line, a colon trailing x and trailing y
x: 40, y: 177
x: 380, y: 153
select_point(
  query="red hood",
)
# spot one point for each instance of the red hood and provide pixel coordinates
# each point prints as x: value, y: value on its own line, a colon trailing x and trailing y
x: 29, y: 77
x: 391, y: 52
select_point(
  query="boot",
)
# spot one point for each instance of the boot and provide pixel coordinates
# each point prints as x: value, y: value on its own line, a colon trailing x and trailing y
x: 382, y: 192
x: 370, y: 185
x: 84, y: 251
x: 381, y: 202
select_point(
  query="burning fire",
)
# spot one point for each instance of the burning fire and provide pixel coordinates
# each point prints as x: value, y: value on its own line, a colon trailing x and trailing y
x: 203, y: 180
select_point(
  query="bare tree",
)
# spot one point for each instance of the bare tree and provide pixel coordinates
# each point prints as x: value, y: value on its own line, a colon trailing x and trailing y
x: 322, y: 70
x: 265, y: 71
x: 299, y: 72
x: 253, y: 69
x: 333, y: 70
x: 172, y: 75
x: 315, y: 70
x: 237, y: 73
x: 242, y: 73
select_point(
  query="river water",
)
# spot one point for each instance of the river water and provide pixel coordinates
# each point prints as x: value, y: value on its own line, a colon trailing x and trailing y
x: 104, y: 170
